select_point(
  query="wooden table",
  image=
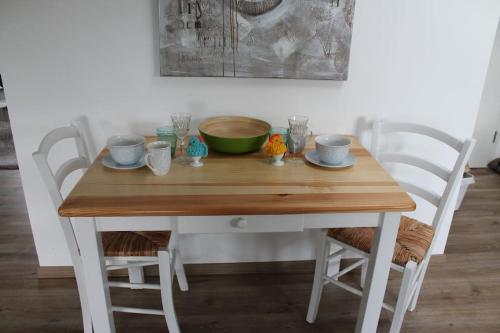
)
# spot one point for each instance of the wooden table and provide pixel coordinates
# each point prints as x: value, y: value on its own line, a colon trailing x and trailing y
x: 242, y: 194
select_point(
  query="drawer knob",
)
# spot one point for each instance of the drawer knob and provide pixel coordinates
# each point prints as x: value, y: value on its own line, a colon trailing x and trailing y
x: 239, y: 222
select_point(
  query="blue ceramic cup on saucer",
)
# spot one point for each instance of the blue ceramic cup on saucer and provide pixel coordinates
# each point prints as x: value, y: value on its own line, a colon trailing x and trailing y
x: 126, y: 149
x: 332, y: 149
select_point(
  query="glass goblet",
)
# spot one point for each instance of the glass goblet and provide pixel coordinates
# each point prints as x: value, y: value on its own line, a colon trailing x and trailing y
x: 181, y: 122
x: 298, y: 133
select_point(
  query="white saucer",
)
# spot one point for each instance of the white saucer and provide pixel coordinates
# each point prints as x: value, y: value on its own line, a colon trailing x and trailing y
x: 108, y: 162
x: 313, y: 157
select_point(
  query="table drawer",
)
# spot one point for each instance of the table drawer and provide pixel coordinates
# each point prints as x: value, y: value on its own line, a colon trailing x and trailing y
x: 240, y: 223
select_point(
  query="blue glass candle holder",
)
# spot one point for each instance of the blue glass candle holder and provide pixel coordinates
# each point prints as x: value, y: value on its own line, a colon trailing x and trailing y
x: 283, y: 131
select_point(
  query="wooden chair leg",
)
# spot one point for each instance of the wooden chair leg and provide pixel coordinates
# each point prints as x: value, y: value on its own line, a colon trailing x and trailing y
x: 333, y: 267
x: 179, y: 271
x: 364, y: 268
x: 87, y: 323
x: 420, y: 280
x: 136, y: 275
x: 86, y: 317
x: 403, y: 297
x: 82, y: 292
x: 167, y: 299
x: 321, y: 263
x: 414, y: 299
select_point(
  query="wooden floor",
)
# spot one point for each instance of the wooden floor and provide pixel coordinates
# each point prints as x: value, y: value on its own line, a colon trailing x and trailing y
x: 7, y: 151
x: 461, y: 292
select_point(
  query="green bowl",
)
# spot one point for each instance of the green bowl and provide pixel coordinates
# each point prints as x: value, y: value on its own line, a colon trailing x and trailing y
x: 234, y: 135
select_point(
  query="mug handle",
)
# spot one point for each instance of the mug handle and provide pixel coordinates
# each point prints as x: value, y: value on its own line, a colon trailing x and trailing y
x: 148, y: 163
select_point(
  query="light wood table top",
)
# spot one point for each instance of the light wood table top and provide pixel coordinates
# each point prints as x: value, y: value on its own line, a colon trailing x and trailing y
x: 237, y: 185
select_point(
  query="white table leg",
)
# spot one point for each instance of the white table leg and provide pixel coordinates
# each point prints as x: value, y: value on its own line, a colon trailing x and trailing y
x: 96, y: 281
x: 377, y: 273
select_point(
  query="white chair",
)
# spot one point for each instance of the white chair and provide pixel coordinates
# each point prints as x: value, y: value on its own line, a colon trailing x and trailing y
x: 415, y: 240
x: 131, y: 250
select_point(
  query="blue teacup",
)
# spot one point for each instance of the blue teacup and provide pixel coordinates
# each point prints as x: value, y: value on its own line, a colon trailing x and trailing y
x: 126, y: 149
x: 332, y: 149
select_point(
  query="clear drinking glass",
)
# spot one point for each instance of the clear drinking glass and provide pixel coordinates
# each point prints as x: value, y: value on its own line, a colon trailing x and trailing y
x: 181, y: 122
x: 297, y: 133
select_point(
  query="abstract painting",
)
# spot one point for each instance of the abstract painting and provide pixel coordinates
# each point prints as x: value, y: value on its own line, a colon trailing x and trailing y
x: 297, y: 39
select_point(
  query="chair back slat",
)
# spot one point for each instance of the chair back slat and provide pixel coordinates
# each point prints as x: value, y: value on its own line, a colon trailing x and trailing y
x: 55, y: 136
x: 48, y: 178
x: 415, y: 162
x: 68, y: 167
x: 427, y: 195
x: 395, y: 127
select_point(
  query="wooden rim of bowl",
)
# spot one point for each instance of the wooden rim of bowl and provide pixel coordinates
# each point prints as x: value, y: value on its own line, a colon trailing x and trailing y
x: 220, y: 127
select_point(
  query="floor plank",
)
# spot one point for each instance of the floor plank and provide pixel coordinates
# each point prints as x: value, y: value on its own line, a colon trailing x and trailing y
x: 461, y: 292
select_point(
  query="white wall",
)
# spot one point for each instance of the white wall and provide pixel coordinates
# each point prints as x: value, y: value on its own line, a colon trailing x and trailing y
x: 422, y: 61
x: 488, y: 118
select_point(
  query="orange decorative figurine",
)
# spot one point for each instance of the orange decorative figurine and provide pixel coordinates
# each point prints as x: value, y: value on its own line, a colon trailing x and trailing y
x: 276, y: 148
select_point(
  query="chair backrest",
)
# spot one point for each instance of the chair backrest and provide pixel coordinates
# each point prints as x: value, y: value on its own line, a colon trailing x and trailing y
x: 54, y: 180
x: 451, y: 177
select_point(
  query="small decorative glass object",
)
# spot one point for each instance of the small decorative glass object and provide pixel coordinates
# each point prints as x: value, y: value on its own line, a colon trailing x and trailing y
x: 181, y: 122
x: 297, y: 146
x: 283, y: 131
x: 167, y: 133
x: 297, y: 133
x: 197, y: 149
x: 276, y: 149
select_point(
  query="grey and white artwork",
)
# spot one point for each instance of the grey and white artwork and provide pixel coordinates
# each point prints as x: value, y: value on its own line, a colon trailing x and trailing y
x: 299, y: 39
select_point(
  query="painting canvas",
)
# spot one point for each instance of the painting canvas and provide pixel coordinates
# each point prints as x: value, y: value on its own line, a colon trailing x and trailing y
x: 300, y: 39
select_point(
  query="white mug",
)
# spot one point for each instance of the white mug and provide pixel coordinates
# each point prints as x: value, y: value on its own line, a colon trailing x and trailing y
x: 158, y: 157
